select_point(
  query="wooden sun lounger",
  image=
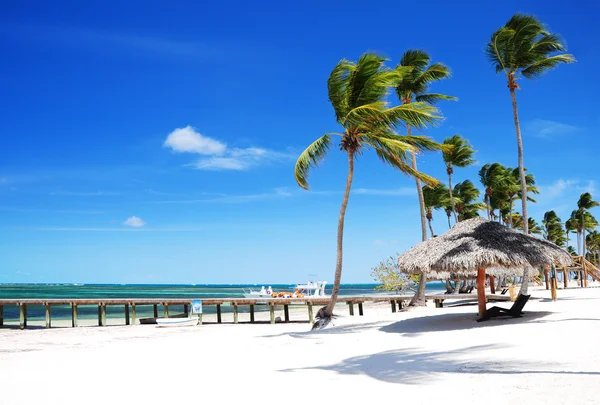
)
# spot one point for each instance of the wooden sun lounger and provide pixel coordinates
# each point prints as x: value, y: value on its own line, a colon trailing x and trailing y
x: 515, y: 311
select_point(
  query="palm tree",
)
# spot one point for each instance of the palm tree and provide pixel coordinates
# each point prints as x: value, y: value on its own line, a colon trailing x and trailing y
x: 433, y: 198
x: 460, y: 155
x: 418, y: 75
x: 593, y: 243
x: 493, y: 178
x: 585, y: 203
x: 553, y: 229
x: 571, y: 226
x: 512, y: 189
x: 357, y: 92
x: 467, y: 195
x: 523, y: 47
x: 580, y: 222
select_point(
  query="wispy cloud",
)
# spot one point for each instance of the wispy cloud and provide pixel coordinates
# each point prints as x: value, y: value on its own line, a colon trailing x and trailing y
x: 92, y: 229
x: 84, y: 193
x: 570, y: 187
x: 140, y: 43
x: 51, y: 211
x: 219, y: 155
x: 404, y: 191
x: 134, y: 222
x: 549, y: 130
x: 282, y: 192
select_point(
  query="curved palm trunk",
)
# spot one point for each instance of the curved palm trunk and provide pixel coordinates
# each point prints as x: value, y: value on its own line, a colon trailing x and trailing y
x: 340, y: 238
x: 430, y: 227
x: 452, y: 197
x: 449, y: 224
x: 419, y: 191
x: 525, y: 284
x: 583, y: 241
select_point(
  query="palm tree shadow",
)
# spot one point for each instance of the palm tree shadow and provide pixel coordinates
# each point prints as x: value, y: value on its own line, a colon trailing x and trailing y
x: 413, y: 327
x: 415, y: 366
x: 334, y: 330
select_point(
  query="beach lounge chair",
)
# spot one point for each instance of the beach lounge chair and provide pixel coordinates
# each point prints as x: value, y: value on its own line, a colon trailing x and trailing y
x: 515, y: 311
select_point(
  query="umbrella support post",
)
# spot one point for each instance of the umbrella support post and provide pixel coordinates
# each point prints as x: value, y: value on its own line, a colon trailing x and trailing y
x: 481, y: 291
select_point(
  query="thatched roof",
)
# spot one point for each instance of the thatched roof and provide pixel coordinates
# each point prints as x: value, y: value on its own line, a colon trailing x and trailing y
x: 476, y: 243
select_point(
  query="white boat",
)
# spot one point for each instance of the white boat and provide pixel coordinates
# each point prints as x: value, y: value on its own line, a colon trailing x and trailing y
x: 310, y: 289
x: 169, y: 322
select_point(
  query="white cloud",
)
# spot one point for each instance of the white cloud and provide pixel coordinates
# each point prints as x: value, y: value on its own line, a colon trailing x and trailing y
x: 84, y: 193
x: 281, y: 192
x: 188, y: 140
x: 220, y: 157
x: 134, y: 222
x: 407, y: 191
x: 558, y: 188
x: 547, y: 129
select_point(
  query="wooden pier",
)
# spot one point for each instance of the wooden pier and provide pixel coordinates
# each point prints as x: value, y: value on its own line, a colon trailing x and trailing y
x: 130, y: 305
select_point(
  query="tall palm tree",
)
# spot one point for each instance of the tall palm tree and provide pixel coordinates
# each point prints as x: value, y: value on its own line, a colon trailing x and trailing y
x: 585, y: 203
x: 418, y: 75
x: 580, y: 222
x: 571, y: 226
x: 512, y: 189
x: 460, y: 155
x: 593, y: 243
x: 434, y: 198
x: 523, y: 47
x: 357, y: 92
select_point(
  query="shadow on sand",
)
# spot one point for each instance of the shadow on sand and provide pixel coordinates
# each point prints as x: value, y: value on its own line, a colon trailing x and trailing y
x: 415, y: 366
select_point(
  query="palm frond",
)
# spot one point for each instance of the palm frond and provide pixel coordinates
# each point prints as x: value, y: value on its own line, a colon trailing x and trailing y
x: 416, y: 58
x: 434, y: 98
x: 418, y: 115
x: 311, y: 157
x: 436, y: 71
x: 370, y: 81
x: 337, y: 85
x: 400, y: 164
x: 541, y: 66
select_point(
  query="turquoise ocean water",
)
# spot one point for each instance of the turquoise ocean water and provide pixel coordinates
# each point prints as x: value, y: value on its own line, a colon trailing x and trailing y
x: 67, y: 291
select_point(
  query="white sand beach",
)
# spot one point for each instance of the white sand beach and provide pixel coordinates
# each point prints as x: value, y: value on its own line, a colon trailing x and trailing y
x: 423, y: 356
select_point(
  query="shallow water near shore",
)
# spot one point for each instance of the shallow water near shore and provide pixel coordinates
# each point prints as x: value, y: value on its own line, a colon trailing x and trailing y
x: 200, y: 291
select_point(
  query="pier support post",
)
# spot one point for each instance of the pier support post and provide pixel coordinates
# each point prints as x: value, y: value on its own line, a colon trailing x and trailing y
x: 186, y: 310
x: 272, y: 312
x: 22, y: 316
x: 133, y: 314
x: 156, y: 310
x: 351, y: 308
x: 74, y: 321
x: 251, y: 313
x: 101, y: 314
x: 127, y: 315
x: 310, y: 313
x: 360, y: 309
x: 166, y: 309
x: 48, y: 319
x: 286, y: 312
x: 393, y: 303
x: 235, y: 313
x: 1, y: 315
x: 218, y: 313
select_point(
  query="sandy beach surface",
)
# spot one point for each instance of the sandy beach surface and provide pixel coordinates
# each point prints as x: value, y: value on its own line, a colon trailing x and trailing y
x: 424, y: 356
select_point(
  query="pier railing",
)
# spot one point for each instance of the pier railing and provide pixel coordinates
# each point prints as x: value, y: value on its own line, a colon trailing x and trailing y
x: 130, y: 305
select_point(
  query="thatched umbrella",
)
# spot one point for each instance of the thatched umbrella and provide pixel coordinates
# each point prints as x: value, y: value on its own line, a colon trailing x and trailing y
x: 477, y: 245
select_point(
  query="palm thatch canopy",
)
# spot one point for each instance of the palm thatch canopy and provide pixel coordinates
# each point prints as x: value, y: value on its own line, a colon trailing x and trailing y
x: 481, y: 244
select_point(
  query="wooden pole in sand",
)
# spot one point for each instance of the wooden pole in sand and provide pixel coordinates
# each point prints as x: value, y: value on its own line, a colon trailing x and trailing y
x: 286, y: 312
x: 360, y: 309
x: 566, y: 278
x: 492, y: 285
x: 74, y: 314
x: 251, y: 313
x: 133, y: 313
x: 1, y: 315
x: 22, y: 316
x: 48, y: 319
x: 127, y: 315
x: 166, y: 309
x: 235, y: 313
x: 546, y: 277
x: 481, y: 291
x: 156, y: 310
x: 218, y: 313
x: 272, y: 312
x: 310, y: 312
x: 553, y: 290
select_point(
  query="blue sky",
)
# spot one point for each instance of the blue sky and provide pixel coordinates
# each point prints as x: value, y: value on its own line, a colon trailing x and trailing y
x: 145, y: 142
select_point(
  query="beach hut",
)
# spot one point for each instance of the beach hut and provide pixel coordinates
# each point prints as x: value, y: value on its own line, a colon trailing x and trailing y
x: 477, y: 246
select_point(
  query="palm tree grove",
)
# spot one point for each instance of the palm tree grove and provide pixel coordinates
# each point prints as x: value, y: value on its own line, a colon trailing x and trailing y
x: 371, y: 119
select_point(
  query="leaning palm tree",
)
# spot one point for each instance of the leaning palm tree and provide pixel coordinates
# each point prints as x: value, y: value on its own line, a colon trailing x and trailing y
x: 414, y: 87
x: 434, y: 198
x: 357, y: 92
x: 585, y: 203
x: 467, y: 195
x: 460, y: 155
x: 523, y: 47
